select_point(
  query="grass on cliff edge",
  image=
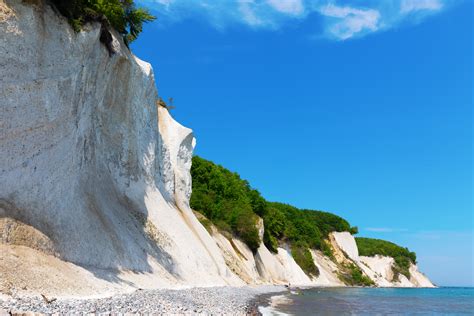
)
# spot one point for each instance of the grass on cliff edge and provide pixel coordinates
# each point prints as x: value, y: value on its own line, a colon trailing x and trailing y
x: 402, y: 256
x: 122, y: 15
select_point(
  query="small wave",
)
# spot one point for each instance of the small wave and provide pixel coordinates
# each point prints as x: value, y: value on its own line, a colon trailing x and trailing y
x: 270, y: 311
x: 275, y: 301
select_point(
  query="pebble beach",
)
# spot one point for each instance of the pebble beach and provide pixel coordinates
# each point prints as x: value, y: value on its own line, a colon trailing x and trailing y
x: 191, y: 301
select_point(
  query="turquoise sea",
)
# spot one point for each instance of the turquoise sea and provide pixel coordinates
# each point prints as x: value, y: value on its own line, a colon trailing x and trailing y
x: 373, y: 301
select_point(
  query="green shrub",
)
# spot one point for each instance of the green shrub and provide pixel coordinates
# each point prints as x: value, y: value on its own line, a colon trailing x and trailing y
x: 304, y: 259
x: 245, y: 226
x: 274, y: 222
x: 122, y: 15
x: 353, y: 275
x: 401, y: 266
x: 285, y: 222
x: 402, y: 256
x: 227, y: 200
x: 354, y: 230
x: 270, y: 242
x: 327, y: 250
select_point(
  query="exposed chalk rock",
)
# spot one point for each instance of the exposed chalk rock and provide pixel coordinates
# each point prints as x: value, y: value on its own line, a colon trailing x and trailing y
x: 327, y: 270
x: 418, y: 279
x: 347, y: 244
x: 89, y: 161
x: 239, y: 258
x: 377, y: 268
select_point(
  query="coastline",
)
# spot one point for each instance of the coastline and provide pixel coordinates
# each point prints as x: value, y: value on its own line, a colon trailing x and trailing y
x: 196, y: 300
x: 267, y: 304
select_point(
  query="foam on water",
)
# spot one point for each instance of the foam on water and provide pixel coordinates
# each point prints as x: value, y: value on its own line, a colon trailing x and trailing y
x: 275, y: 301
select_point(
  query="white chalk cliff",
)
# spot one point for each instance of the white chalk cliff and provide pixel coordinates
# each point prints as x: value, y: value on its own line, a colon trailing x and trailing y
x: 377, y: 268
x: 95, y: 181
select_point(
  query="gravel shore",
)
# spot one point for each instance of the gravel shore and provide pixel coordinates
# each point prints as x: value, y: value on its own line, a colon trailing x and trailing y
x: 203, y: 301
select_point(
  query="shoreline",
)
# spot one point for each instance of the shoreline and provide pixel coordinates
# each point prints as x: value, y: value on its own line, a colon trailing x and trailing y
x: 245, y: 300
x: 189, y: 301
x: 265, y: 304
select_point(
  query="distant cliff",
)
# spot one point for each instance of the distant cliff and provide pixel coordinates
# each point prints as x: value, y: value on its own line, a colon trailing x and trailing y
x: 95, y: 177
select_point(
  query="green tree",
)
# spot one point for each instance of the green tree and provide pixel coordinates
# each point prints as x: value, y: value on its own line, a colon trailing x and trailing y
x: 122, y: 15
x: 354, y: 230
x: 304, y: 259
x: 227, y: 200
x: 275, y: 224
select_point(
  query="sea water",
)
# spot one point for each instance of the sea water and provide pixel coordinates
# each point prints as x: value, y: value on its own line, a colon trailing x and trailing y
x: 372, y: 301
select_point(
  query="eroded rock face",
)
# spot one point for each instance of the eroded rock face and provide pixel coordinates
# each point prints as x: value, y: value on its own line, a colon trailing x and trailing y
x: 89, y: 161
x: 346, y: 242
x: 377, y: 268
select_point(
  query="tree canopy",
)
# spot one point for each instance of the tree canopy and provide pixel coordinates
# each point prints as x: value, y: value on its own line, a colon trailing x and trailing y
x: 122, y: 15
x: 227, y: 200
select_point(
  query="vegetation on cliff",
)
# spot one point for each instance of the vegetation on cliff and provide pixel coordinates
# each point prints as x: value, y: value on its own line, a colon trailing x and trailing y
x: 284, y: 222
x: 402, y: 256
x: 352, y: 275
x: 302, y: 229
x: 227, y: 200
x: 122, y: 15
x: 233, y: 206
x: 300, y: 252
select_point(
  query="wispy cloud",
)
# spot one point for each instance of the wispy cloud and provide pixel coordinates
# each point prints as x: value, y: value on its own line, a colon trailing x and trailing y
x: 349, y: 21
x: 417, y: 5
x: 292, y: 7
x: 248, y: 13
x: 341, y: 20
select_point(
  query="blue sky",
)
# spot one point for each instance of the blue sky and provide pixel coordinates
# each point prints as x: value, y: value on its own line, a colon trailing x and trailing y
x: 360, y: 108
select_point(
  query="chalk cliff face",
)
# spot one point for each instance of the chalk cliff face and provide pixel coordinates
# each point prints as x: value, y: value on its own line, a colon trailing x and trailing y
x: 377, y: 268
x: 92, y: 171
x: 95, y: 180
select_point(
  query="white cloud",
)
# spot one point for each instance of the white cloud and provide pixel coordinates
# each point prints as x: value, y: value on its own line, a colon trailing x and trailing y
x: 407, y: 6
x: 292, y: 7
x: 350, y: 21
x: 339, y: 22
x: 165, y: 2
x: 249, y: 16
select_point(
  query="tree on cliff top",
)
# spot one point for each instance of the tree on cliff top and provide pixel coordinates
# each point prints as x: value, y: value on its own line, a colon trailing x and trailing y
x: 122, y: 15
x: 226, y: 200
